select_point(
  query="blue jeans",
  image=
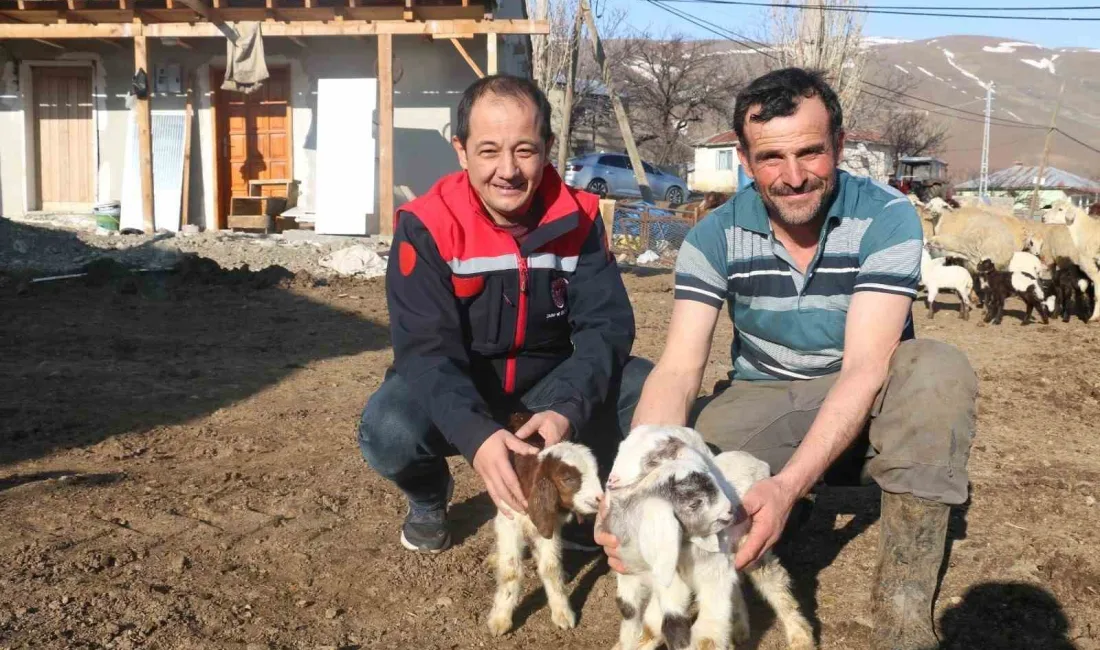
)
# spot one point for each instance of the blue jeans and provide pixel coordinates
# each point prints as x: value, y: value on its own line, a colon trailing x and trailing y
x: 399, y: 441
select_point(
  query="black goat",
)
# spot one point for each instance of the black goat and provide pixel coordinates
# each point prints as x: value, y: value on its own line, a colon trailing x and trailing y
x: 997, y: 286
x: 1071, y: 290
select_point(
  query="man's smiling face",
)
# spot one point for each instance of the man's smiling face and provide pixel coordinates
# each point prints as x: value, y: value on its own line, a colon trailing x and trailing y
x: 793, y: 160
x: 504, y: 155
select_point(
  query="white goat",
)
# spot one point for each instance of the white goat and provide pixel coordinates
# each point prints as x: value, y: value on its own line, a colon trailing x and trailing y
x: 938, y: 276
x: 652, y: 473
x: 559, y: 481
x: 671, y: 525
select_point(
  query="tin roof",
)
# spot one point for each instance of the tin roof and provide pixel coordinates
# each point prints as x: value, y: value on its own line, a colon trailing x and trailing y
x: 1022, y: 177
x: 723, y: 139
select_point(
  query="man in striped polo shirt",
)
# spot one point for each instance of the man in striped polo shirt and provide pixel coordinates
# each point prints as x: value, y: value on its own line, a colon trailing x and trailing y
x: 819, y: 270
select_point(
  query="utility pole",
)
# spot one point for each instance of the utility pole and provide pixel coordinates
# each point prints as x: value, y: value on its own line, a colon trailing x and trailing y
x: 1046, y: 153
x: 821, y: 35
x: 617, y: 104
x: 566, y: 135
x: 983, y: 182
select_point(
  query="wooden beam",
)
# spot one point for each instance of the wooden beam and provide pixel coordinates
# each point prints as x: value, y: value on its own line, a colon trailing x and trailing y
x: 356, y: 28
x: 385, y: 135
x: 453, y: 28
x: 103, y: 30
x: 469, y: 59
x: 145, y: 136
x: 408, y: 13
x: 189, y: 118
x: 213, y: 17
x: 491, y: 52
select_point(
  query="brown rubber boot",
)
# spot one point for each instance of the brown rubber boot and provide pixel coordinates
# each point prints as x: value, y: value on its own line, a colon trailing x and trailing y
x: 910, y: 551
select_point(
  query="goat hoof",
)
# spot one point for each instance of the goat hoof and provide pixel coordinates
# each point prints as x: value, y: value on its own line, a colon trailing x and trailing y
x: 499, y: 624
x: 564, y: 618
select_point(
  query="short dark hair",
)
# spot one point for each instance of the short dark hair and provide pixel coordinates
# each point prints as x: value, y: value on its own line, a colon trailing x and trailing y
x: 503, y: 85
x: 778, y: 94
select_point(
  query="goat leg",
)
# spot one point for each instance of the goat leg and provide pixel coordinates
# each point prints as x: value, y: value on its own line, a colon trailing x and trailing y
x: 674, y: 600
x: 632, y: 598
x: 548, y: 554
x: 509, y: 558
x: 715, y: 581
x: 774, y: 584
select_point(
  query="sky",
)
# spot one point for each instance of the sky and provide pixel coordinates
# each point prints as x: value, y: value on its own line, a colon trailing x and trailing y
x: 750, y: 21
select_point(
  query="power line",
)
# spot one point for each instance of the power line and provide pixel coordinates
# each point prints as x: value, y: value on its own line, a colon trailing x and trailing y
x: 749, y: 43
x: 864, y: 10
x: 752, y: 44
x: 1083, y: 144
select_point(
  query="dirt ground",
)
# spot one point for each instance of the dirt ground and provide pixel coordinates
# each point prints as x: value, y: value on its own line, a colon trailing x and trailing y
x: 178, y: 469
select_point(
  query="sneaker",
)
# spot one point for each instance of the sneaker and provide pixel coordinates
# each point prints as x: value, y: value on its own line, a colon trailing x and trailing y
x: 425, y: 530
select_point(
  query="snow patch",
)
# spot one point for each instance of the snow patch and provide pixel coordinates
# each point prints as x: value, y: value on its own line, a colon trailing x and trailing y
x: 1012, y: 114
x: 871, y: 41
x: 926, y: 72
x: 901, y: 68
x: 966, y: 73
x: 1042, y: 64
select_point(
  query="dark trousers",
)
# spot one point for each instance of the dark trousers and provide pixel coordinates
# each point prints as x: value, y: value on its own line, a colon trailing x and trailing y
x: 399, y: 441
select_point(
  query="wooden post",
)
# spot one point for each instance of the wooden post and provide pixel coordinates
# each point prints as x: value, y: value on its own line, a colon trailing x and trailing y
x: 1046, y: 153
x: 385, y: 135
x: 143, y: 113
x: 565, y: 138
x: 607, y: 213
x: 188, y: 117
x: 491, y: 53
x: 617, y: 104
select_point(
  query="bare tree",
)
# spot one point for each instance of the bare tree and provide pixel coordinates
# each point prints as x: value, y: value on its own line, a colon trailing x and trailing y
x: 912, y: 133
x: 672, y: 83
x: 830, y: 41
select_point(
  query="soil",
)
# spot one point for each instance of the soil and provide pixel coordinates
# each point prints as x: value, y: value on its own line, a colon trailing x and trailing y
x: 179, y: 469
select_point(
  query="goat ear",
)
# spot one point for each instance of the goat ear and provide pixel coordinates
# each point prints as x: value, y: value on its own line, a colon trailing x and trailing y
x: 542, y: 505
x: 659, y: 540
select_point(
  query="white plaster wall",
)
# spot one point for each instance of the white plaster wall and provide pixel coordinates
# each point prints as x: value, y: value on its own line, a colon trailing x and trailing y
x: 429, y: 77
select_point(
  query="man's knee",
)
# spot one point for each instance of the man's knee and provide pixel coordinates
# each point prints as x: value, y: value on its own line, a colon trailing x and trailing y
x: 392, y: 429
x: 924, y: 428
x: 934, y: 373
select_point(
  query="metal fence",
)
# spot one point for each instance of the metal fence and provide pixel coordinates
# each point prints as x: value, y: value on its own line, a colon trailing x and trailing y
x: 640, y: 227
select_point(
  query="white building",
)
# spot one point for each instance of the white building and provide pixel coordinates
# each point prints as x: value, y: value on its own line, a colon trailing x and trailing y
x: 365, y: 91
x: 716, y: 161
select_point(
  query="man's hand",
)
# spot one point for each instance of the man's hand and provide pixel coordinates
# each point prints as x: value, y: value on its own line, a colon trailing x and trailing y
x: 492, y: 464
x: 768, y: 503
x: 551, y: 425
x: 609, y: 542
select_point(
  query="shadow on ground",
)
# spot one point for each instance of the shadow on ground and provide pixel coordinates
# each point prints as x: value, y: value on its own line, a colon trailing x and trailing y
x: 89, y: 358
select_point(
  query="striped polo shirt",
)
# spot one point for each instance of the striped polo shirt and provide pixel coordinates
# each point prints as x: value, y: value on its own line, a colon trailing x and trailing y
x: 790, y: 325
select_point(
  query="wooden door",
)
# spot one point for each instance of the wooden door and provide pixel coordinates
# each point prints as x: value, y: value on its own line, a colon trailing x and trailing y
x: 254, y: 137
x: 63, y: 137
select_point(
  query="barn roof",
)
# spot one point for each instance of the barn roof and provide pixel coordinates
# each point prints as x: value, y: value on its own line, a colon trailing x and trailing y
x: 1022, y: 177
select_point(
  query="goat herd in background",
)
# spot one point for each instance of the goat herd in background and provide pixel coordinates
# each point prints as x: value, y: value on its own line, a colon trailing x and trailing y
x: 985, y: 256
x: 672, y: 505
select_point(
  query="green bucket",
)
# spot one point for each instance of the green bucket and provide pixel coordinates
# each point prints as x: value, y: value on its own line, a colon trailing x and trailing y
x: 107, y: 215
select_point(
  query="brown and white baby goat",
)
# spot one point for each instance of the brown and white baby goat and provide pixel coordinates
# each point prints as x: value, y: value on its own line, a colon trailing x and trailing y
x: 558, y: 482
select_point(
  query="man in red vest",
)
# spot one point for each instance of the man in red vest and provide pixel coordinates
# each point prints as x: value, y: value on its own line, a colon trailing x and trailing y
x: 503, y: 296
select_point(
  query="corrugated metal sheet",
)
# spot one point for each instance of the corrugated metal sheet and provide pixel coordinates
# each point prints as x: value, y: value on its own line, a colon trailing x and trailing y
x: 1022, y: 177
